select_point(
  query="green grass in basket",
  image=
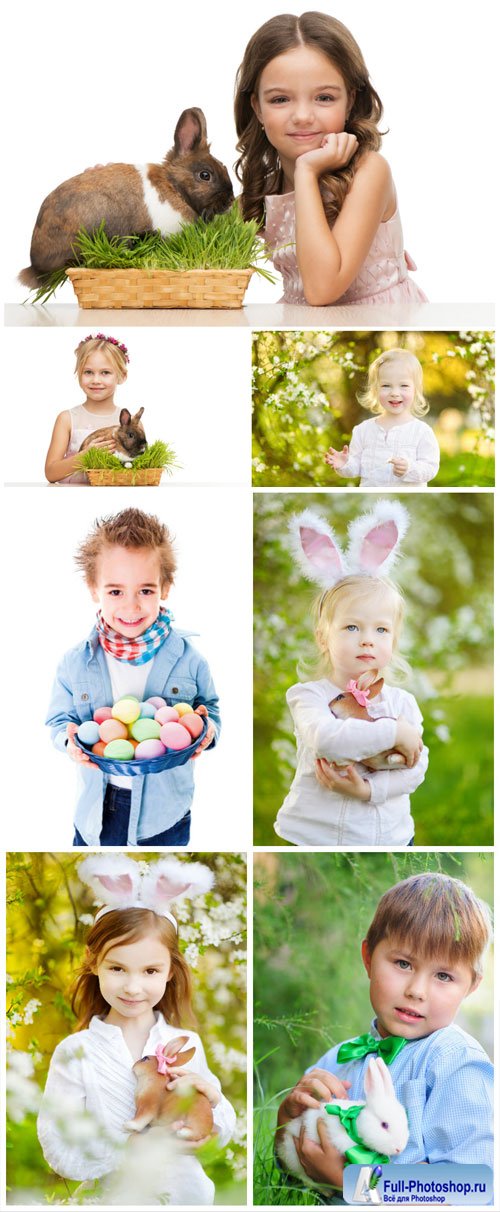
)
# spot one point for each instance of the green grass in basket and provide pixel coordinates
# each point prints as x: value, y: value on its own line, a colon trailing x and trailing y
x: 226, y: 242
x: 156, y: 455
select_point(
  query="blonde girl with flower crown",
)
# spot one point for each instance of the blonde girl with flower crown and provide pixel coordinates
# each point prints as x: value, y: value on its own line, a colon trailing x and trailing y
x: 356, y: 768
x: 101, y: 366
x: 395, y: 447
x: 131, y: 997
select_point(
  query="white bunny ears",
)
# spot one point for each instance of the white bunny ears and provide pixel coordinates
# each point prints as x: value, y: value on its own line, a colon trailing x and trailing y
x: 372, y: 548
x: 121, y: 883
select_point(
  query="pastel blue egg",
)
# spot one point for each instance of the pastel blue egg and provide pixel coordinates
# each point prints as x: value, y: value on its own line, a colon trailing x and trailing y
x: 88, y: 733
x: 148, y: 711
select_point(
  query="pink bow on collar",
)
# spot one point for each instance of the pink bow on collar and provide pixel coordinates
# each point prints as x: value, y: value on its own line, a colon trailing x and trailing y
x: 361, y: 696
x: 163, y: 1061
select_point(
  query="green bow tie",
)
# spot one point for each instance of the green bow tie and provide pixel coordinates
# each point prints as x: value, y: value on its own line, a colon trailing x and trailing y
x: 358, y: 1153
x: 387, y: 1048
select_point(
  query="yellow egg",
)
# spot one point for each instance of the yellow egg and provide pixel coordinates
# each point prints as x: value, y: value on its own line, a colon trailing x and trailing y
x: 182, y: 708
x: 126, y: 710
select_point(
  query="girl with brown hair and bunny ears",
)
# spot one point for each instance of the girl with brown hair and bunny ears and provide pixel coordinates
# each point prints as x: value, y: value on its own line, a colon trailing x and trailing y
x: 131, y: 996
x: 354, y: 776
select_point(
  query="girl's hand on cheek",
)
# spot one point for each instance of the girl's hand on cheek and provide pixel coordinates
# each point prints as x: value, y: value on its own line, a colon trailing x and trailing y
x: 335, y: 152
x: 345, y: 780
x: 322, y: 1162
x: 76, y: 754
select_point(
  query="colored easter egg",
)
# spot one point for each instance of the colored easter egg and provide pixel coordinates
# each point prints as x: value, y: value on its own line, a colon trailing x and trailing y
x: 145, y: 730
x: 102, y: 713
x: 148, y: 711
x: 88, y: 732
x: 183, y: 708
x: 112, y: 730
x: 193, y: 723
x: 174, y: 736
x: 149, y: 749
x: 99, y: 748
x: 157, y: 701
x: 126, y: 710
x: 167, y: 715
x: 133, y: 698
x: 120, y: 750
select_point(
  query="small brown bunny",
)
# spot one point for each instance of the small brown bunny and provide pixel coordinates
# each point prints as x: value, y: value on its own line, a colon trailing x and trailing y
x: 157, y: 1106
x: 129, y: 436
x: 346, y: 707
x: 132, y: 198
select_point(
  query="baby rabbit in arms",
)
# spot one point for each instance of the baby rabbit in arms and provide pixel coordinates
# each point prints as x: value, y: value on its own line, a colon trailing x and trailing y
x: 381, y: 1124
x: 190, y: 1118
x: 352, y: 705
x: 132, y: 198
x: 129, y: 437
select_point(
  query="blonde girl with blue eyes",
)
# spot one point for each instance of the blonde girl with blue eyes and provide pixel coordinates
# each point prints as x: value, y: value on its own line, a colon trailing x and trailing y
x: 359, y: 739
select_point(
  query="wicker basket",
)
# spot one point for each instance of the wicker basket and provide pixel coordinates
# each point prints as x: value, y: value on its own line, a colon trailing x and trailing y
x: 204, y: 288
x: 111, y: 477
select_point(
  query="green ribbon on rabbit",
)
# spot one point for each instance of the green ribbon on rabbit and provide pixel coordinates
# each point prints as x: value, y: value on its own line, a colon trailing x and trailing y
x: 357, y: 1154
x: 362, y: 1045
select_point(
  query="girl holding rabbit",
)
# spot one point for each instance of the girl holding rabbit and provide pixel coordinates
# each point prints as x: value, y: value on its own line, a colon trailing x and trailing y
x: 101, y: 366
x: 131, y: 996
x: 307, y: 120
x: 337, y: 797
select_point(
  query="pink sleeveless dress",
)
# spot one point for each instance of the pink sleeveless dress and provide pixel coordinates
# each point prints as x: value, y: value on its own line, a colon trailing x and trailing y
x: 84, y: 423
x: 383, y: 277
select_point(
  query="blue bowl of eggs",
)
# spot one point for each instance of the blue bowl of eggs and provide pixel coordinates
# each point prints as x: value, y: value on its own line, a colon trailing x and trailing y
x: 131, y: 737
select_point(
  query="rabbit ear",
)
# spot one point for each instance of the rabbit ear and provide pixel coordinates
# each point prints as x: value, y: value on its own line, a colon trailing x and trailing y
x: 125, y: 417
x: 316, y: 549
x: 373, y: 1083
x: 375, y: 537
x: 191, y: 130
x: 375, y: 688
x: 173, y: 1047
x: 138, y: 415
x: 385, y: 1074
x: 114, y: 879
x: 170, y: 880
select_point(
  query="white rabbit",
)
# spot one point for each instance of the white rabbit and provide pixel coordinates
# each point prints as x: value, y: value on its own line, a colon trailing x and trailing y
x: 381, y: 1125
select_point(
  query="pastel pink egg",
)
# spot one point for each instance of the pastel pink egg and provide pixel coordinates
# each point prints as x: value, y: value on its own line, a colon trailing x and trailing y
x: 193, y: 723
x: 112, y: 730
x: 149, y: 749
x: 102, y: 713
x: 167, y: 715
x: 157, y: 701
x: 174, y: 736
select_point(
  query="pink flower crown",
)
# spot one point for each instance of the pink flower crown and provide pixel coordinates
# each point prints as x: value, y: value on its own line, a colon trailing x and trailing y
x: 101, y: 336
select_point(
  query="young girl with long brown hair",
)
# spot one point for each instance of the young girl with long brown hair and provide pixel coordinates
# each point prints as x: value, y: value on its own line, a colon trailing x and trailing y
x: 307, y: 120
x: 131, y: 996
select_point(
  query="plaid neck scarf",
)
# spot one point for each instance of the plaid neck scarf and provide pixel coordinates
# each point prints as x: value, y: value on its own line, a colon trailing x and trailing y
x: 139, y: 650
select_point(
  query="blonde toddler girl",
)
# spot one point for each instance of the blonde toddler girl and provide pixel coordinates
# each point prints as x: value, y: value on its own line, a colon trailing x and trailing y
x: 101, y: 366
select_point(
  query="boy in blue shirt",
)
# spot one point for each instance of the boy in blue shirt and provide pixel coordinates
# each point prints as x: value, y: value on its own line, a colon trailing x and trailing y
x: 129, y: 564
x: 423, y: 954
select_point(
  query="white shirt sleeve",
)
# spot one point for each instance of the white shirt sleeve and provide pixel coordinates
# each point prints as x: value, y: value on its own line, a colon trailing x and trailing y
x: 336, y: 740
x: 224, y: 1113
x: 353, y: 466
x: 402, y: 780
x: 425, y: 465
x: 73, y: 1143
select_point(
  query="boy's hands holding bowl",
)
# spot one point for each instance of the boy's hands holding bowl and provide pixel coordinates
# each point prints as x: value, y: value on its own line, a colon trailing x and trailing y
x: 76, y: 754
x: 210, y: 733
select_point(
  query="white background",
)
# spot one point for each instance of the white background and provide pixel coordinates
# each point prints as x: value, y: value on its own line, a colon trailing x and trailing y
x: 194, y: 386
x: 90, y: 84
x: 53, y: 611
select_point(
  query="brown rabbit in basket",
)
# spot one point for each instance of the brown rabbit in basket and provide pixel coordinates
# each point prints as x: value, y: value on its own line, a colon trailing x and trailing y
x: 132, y: 198
x: 347, y: 707
x: 156, y: 1106
x: 129, y: 437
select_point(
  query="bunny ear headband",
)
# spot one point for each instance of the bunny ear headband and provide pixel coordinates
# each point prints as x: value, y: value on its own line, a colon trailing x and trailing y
x: 372, y: 546
x: 121, y: 883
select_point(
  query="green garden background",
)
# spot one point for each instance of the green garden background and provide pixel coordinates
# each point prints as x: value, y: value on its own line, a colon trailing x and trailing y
x: 311, y: 913
x: 48, y: 915
x: 446, y: 576
x: 305, y: 388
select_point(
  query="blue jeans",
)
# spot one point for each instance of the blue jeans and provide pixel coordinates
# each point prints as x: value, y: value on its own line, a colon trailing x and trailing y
x: 412, y: 843
x: 115, y: 818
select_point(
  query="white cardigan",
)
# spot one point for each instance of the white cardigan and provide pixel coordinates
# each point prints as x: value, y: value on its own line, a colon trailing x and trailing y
x: 312, y: 815
x: 91, y: 1071
x: 372, y: 446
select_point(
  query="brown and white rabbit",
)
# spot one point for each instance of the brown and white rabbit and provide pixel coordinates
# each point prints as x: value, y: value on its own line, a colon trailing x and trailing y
x: 346, y: 707
x: 156, y: 1106
x: 129, y: 436
x: 132, y: 198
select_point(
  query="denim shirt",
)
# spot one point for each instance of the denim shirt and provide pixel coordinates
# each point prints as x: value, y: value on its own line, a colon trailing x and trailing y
x: 177, y: 673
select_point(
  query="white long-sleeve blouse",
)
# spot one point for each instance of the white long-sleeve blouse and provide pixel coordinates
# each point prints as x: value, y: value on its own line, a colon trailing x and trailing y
x: 372, y: 446
x: 312, y: 815
x: 91, y: 1071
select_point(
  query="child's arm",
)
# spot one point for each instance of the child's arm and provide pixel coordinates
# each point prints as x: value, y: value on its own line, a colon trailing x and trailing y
x: 62, y: 1113
x: 337, y: 740
x: 56, y: 466
x: 321, y: 1162
x: 63, y: 718
x: 329, y: 260
x: 348, y: 461
x: 206, y: 1081
x: 424, y: 466
x: 207, y: 697
x: 401, y: 780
